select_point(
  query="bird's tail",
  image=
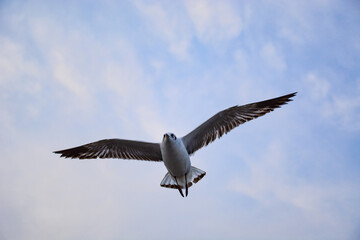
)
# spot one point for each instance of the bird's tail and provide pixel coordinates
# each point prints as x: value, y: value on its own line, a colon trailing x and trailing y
x: 193, y: 176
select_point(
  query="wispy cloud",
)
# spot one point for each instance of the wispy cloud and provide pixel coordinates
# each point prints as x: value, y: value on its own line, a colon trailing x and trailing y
x: 13, y: 62
x: 169, y: 23
x: 75, y: 72
x: 214, y: 21
x: 272, y: 57
x: 319, y: 87
x: 343, y: 107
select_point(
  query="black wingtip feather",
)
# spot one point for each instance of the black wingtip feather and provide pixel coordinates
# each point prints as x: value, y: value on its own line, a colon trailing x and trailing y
x: 72, y: 152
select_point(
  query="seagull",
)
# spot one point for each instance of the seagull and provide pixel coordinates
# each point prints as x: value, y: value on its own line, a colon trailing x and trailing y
x: 173, y: 151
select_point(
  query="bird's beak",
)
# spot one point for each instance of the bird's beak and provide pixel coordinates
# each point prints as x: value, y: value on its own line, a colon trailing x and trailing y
x: 166, y: 136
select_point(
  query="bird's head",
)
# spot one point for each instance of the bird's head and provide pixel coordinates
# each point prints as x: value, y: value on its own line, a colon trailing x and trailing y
x: 169, y: 137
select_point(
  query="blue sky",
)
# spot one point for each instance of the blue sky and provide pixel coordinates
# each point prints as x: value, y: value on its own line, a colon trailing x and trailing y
x: 73, y: 72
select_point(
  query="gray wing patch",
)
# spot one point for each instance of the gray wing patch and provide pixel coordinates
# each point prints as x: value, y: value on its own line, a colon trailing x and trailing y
x: 115, y: 148
x: 228, y: 119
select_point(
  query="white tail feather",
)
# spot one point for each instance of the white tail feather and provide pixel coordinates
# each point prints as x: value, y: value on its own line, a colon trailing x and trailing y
x: 194, y: 175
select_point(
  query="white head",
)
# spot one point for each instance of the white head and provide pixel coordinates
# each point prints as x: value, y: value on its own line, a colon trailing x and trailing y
x: 169, y: 137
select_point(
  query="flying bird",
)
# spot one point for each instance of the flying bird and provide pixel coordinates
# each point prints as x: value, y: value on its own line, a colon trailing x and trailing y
x: 173, y: 151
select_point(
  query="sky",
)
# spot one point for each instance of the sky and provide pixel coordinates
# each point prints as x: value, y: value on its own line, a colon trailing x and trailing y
x: 74, y: 72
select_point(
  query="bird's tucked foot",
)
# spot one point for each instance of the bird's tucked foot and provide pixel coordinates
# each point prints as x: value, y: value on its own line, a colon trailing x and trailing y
x: 179, y: 188
x: 186, y: 186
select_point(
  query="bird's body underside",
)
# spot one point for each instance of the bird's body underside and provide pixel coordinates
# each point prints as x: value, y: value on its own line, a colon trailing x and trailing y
x: 177, y: 161
x: 175, y: 152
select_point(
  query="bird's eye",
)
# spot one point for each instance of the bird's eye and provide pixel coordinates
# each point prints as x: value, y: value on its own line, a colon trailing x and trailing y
x: 172, y: 135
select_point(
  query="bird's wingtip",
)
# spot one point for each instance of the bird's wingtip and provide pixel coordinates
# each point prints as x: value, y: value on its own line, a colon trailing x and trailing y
x: 290, y: 96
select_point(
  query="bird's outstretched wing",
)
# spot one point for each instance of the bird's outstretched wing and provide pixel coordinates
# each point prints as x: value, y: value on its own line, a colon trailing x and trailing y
x: 115, y: 148
x: 226, y: 120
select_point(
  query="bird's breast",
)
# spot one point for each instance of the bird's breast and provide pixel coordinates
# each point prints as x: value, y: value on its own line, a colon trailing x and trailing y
x: 175, y: 157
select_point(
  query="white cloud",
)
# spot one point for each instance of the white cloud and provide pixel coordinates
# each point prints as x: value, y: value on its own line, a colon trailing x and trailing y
x: 78, y: 65
x: 241, y: 60
x: 65, y: 63
x: 273, y: 57
x: 347, y: 108
x: 135, y: 97
x: 169, y: 24
x: 68, y: 76
x: 297, y: 22
x: 13, y: 63
x: 319, y: 87
x: 180, y: 48
x: 214, y: 20
x: 341, y: 107
x: 271, y: 182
